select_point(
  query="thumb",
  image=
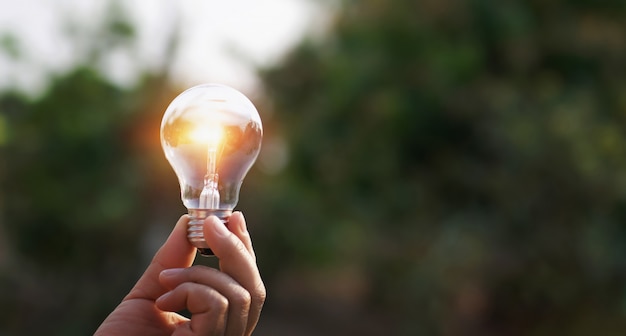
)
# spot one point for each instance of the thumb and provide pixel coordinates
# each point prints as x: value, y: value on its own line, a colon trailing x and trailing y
x: 176, y: 252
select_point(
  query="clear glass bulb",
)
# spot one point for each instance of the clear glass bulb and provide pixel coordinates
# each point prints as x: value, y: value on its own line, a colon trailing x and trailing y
x: 211, y: 135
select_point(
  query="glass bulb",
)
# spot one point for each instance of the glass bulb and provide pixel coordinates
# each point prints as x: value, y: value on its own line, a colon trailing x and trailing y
x: 211, y: 135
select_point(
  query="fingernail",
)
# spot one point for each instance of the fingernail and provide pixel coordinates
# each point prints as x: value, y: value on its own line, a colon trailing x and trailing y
x: 242, y: 221
x: 171, y: 272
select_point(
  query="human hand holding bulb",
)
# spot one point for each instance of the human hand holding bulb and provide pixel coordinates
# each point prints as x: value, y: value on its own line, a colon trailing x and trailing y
x: 225, y: 302
x: 211, y: 135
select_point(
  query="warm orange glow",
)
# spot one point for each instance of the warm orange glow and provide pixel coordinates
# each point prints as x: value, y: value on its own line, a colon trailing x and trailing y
x: 207, y: 134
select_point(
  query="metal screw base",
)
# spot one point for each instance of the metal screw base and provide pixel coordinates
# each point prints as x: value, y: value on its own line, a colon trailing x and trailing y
x: 195, y: 232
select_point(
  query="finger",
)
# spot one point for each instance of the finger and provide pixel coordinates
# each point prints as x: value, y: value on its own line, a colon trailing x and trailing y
x: 237, y: 225
x: 238, y: 297
x: 207, y: 306
x: 238, y: 263
x: 176, y: 252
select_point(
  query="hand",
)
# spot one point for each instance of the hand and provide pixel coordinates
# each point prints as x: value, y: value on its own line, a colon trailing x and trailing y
x: 226, y: 302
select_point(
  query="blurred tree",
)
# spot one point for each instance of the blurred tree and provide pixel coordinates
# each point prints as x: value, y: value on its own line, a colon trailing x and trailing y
x: 460, y: 164
x: 81, y: 184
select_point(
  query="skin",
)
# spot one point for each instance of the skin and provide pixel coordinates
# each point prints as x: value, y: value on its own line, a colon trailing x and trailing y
x: 221, y: 302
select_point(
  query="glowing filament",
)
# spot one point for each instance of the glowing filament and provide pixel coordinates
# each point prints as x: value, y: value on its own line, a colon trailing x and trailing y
x: 207, y: 134
x: 212, y: 136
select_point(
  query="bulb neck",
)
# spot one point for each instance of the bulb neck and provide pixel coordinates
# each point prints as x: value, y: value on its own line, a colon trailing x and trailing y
x: 195, y: 232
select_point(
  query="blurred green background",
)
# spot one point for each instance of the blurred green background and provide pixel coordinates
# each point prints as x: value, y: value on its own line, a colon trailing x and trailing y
x: 435, y: 167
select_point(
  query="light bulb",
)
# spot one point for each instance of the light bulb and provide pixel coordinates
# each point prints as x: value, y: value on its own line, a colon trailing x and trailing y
x: 211, y: 135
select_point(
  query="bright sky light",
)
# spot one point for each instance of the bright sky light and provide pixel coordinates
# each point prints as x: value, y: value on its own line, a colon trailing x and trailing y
x: 220, y: 41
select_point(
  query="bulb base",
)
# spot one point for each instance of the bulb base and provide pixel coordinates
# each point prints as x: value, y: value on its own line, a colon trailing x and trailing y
x: 195, y: 232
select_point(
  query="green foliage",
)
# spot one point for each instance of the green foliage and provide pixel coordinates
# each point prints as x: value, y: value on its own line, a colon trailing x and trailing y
x: 76, y: 203
x: 81, y: 176
x: 71, y: 131
x: 467, y: 156
x: 10, y: 46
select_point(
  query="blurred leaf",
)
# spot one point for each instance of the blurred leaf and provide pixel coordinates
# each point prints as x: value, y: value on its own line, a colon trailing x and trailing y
x: 4, y: 130
x: 10, y: 45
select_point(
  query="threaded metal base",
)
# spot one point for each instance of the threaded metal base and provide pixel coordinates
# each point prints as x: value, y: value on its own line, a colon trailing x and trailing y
x: 195, y: 232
